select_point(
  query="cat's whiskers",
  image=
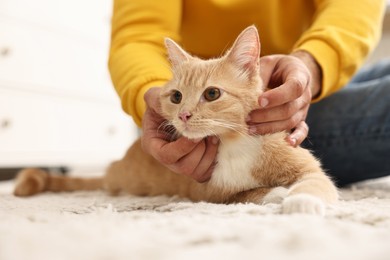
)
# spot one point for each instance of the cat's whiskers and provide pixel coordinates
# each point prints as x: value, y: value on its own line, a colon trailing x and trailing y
x: 212, y: 123
x: 168, y: 129
x: 238, y: 128
x: 205, y: 127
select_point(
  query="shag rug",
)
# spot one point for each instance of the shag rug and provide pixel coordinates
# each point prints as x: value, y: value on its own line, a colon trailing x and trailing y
x: 93, y: 225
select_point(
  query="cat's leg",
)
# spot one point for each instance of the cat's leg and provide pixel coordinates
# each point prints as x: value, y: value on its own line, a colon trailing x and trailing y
x: 114, y: 178
x: 261, y: 195
x: 310, y: 194
x: 276, y: 195
x: 254, y: 195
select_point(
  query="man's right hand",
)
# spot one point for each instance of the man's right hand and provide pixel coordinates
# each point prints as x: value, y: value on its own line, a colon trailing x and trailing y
x: 193, y: 158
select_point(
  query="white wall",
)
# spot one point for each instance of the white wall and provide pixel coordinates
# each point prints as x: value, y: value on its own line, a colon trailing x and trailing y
x: 383, y: 49
x: 57, y: 104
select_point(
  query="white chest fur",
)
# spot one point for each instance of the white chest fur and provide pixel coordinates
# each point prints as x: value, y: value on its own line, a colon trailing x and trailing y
x: 236, y: 159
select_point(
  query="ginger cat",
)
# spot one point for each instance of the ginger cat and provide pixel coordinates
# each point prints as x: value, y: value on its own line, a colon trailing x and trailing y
x: 212, y: 98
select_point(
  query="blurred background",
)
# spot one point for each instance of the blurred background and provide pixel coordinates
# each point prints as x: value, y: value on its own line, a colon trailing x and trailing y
x: 58, y: 108
x: 383, y: 49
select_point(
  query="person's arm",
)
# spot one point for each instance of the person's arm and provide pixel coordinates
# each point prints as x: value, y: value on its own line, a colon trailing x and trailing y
x: 341, y: 36
x: 138, y: 62
x: 322, y: 61
x: 137, y: 59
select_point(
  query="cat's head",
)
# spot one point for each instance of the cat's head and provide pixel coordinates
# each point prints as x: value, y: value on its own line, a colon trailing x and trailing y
x: 213, y: 97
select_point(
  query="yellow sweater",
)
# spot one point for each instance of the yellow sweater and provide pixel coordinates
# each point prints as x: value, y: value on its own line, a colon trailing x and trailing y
x: 338, y: 33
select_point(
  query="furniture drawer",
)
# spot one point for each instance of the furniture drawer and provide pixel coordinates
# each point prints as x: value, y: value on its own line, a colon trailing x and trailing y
x: 86, y: 18
x: 33, y: 58
x: 51, y: 130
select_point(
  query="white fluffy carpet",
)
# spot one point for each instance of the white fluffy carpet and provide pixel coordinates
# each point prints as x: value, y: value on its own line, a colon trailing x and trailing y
x: 93, y: 225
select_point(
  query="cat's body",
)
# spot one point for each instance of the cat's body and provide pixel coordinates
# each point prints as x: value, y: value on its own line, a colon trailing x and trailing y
x: 213, y: 98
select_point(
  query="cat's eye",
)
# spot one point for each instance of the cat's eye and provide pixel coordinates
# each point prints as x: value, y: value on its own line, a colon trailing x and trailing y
x: 176, y: 97
x: 212, y: 93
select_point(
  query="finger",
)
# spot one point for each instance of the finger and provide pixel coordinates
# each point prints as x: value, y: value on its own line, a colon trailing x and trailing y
x: 152, y: 119
x: 278, y: 113
x: 152, y: 100
x: 187, y: 164
x: 293, y: 88
x: 267, y: 66
x: 277, y: 126
x: 171, y: 152
x: 206, y: 166
x: 152, y: 137
x: 152, y: 97
x: 299, y: 134
x: 152, y: 124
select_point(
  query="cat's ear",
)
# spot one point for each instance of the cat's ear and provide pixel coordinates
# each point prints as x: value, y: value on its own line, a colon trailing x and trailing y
x: 245, y: 52
x: 176, y: 54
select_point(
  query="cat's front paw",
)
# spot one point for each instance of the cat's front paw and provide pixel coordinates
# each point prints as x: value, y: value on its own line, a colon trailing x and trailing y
x: 276, y: 195
x: 303, y: 203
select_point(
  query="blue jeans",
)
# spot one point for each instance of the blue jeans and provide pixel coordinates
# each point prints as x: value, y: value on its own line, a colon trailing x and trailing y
x: 350, y: 130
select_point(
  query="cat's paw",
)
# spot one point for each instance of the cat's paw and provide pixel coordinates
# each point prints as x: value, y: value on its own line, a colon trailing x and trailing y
x: 276, y: 195
x: 303, y: 203
x: 30, y: 182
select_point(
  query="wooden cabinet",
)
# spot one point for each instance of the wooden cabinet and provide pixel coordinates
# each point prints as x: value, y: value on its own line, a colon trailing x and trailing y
x: 57, y: 104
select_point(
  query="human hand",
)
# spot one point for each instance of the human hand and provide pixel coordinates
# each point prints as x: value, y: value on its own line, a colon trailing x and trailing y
x: 293, y: 81
x: 193, y: 158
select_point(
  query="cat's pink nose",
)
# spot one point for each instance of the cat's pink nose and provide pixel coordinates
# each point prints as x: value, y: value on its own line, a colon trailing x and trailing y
x: 184, y: 116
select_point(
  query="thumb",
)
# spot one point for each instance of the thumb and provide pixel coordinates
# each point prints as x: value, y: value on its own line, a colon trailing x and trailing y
x: 152, y: 99
x: 267, y: 66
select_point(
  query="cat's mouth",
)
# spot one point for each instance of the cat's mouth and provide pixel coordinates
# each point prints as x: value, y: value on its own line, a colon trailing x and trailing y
x: 200, y: 131
x: 193, y: 134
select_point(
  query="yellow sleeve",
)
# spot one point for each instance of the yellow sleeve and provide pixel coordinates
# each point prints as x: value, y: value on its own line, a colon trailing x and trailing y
x: 341, y: 36
x: 137, y: 55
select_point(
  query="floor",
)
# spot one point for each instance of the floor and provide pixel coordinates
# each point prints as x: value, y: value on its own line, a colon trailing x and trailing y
x: 93, y: 225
